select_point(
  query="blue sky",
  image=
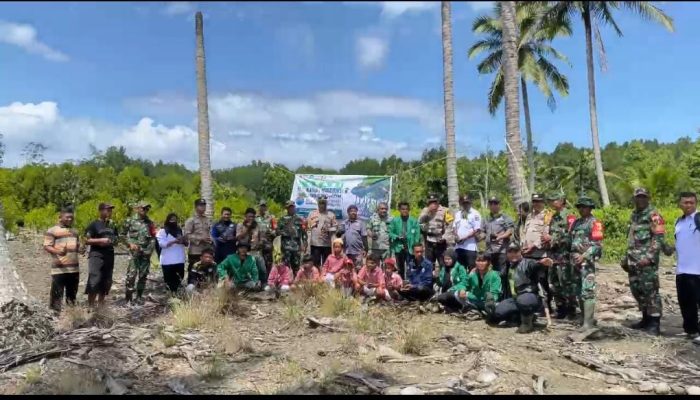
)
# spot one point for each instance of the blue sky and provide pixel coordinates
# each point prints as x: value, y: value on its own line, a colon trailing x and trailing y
x: 309, y: 82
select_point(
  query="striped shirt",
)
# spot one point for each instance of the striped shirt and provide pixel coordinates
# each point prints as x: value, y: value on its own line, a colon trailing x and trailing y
x: 60, y: 238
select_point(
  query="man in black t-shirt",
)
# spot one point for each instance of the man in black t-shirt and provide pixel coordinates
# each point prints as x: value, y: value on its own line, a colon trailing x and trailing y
x: 101, y: 236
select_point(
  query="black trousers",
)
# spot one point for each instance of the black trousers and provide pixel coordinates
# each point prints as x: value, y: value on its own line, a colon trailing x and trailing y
x: 498, y: 262
x: 417, y: 293
x: 688, y: 290
x: 467, y: 258
x: 448, y: 300
x: 435, y: 251
x: 192, y: 259
x: 173, y: 274
x: 401, y: 258
x: 319, y: 255
x: 511, y: 309
x: 100, y: 271
x: 61, y: 283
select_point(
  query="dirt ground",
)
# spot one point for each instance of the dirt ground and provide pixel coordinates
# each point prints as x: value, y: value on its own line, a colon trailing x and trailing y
x: 272, y: 348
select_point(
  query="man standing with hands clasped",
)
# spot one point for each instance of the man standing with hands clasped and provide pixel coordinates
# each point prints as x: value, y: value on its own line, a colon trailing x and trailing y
x: 434, y: 224
x: 321, y: 225
x: 197, y: 234
x: 467, y: 225
x: 101, y: 236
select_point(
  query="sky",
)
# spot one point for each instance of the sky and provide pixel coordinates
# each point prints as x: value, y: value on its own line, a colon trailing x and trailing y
x: 314, y: 83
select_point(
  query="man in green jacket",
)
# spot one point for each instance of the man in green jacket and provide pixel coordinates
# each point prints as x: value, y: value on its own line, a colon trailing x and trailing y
x: 404, y: 232
x: 240, y: 270
x: 484, y: 286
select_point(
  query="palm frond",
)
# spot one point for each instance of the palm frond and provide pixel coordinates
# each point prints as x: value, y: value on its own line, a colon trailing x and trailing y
x: 559, y: 80
x: 496, y: 91
x: 542, y: 49
x: 488, y: 25
x: 602, y: 56
x: 491, y: 44
x: 650, y: 12
x: 600, y: 11
x: 491, y: 63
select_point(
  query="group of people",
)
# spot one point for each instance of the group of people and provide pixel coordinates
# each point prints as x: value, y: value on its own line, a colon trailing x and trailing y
x: 546, y: 255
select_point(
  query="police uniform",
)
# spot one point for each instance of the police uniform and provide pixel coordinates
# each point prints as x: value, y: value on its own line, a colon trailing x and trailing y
x: 321, y: 228
x: 434, y: 227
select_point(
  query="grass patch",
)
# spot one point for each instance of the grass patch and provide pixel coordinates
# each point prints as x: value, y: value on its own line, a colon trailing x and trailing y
x: 169, y: 339
x: 413, y: 340
x: 293, y: 312
x: 334, y: 304
x: 230, y: 341
x: 32, y: 375
x: 72, y: 317
x: 213, y: 370
x: 309, y: 292
x: 291, y: 373
x: 76, y: 383
x: 190, y: 313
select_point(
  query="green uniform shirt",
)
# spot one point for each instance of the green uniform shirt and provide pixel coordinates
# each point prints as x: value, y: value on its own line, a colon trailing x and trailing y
x: 237, y: 271
x: 458, y: 277
x: 477, y: 287
x: 412, y: 236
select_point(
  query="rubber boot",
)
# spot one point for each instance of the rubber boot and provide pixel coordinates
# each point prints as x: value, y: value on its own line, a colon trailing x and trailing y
x: 643, y: 323
x: 526, y: 323
x: 561, y: 311
x: 588, y: 312
x: 129, y: 297
x: 571, y: 310
x: 654, y: 326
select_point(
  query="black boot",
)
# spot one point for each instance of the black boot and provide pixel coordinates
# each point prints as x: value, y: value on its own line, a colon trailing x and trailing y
x: 526, y: 323
x: 561, y: 311
x: 654, y: 326
x: 643, y: 323
x: 571, y: 311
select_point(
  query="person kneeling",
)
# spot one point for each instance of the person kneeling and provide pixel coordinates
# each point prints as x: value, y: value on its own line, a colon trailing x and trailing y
x: 371, y: 279
x: 280, y: 278
x: 419, y: 271
x: 203, y: 272
x: 483, y: 286
x: 346, y: 279
x: 392, y: 279
x: 452, y: 283
x: 526, y: 277
x: 308, y: 274
x: 334, y: 262
x: 240, y: 270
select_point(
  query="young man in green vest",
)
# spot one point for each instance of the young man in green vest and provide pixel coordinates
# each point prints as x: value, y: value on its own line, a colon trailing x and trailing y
x: 404, y: 232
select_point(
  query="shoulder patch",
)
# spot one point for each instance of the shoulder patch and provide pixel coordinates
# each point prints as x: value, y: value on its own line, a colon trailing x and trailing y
x: 658, y: 223
x: 597, y: 230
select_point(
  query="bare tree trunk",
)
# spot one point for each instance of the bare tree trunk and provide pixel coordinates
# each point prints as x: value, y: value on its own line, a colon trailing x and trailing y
x: 516, y: 173
x: 452, y: 184
x: 528, y: 133
x: 592, y: 109
x: 203, y: 119
x: 12, y: 286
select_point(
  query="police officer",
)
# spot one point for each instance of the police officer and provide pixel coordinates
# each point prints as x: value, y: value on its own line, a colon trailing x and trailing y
x: 645, y: 241
x: 292, y: 229
x: 434, y: 222
x: 322, y: 225
x: 198, y: 234
x: 532, y: 245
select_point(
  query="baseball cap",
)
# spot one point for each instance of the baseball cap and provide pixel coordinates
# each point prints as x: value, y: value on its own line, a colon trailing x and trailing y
x: 390, y: 261
x: 640, y: 191
x: 200, y: 202
x: 348, y: 261
x: 432, y: 198
x: 142, y: 204
x: 537, y: 197
x: 585, y: 201
x: 494, y: 199
x: 243, y: 243
x: 483, y: 256
x: 289, y: 204
x: 465, y: 199
x: 104, y: 206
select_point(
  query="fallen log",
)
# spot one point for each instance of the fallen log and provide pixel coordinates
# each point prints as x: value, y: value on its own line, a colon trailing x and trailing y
x: 595, y: 365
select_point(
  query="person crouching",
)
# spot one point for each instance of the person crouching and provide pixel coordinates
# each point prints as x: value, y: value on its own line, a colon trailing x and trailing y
x: 334, y: 262
x: 371, y: 279
x: 483, y: 286
x: 346, y: 279
x: 280, y: 278
x: 452, y: 282
x: 240, y: 270
x: 203, y: 271
x: 392, y: 279
x: 308, y: 274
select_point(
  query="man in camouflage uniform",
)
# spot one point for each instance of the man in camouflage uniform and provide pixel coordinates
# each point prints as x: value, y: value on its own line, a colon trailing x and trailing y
x: 266, y: 226
x: 379, y: 231
x: 561, y: 275
x: 586, y: 236
x: 292, y: 229
x: 644, y: 241
x: 435, y: 221
x: 140, y: 237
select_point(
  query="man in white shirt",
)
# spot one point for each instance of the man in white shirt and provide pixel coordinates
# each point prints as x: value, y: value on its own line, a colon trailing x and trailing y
x: 687, y: 234
x: 466, y: 226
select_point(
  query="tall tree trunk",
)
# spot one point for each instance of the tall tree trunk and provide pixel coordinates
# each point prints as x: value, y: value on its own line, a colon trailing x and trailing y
x: 452, y: 184
x: 528, y: 133
x: 592, y: 109
x: 203, y: 119
x: 516, y: 173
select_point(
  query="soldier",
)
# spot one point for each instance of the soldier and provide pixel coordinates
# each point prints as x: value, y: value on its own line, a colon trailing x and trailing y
x: 586, y: 236
x: 267, y: 225
x: 434, y: 222
x: 292, y: 229
x: 197, y: 234
x: 322, y: 226
x: 645, y: 240
x: 140, y: 236
x: 379, y: 231
x: 561, y: 275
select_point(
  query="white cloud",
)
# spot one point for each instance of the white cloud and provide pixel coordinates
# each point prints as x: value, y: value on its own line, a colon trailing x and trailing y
x: 178, y: 8
x: 371, y: 51
x: 393, y: 9
x: 481, y: 5
x: 24, y: 36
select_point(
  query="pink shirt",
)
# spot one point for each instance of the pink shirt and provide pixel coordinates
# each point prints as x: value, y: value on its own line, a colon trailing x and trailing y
x: 302, y: 276
x: 395, y: 282
x: 280, y: 275
x: 376, y: 277
x: 333, y: 264
x: 346, y: 278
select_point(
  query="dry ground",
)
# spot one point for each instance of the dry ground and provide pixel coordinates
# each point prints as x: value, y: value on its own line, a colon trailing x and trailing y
x: 268, y: 347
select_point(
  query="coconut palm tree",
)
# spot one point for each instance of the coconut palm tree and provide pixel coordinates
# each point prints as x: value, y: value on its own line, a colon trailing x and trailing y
x: 516, y: 173
x: 592, y: 12
x: 203, y: 118
x: 534, y: 64
x: 452, y: 185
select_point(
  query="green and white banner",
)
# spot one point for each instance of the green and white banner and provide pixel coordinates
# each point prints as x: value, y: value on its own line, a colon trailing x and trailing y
x: 342, y: 191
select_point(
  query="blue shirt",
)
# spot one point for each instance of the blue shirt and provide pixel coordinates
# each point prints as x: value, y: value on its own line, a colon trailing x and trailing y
x: 421, y: 274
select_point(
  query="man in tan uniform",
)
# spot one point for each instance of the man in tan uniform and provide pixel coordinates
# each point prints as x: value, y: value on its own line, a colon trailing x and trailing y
x: 434, y: 223
x: 322, y: 225
x: 534, y: 247
x: 198, y: 235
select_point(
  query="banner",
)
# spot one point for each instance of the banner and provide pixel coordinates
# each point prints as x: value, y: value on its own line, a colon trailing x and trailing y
x: 342, y: 191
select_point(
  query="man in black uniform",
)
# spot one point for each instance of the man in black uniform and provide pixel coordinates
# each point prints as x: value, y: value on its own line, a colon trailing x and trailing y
x: 101, y: 236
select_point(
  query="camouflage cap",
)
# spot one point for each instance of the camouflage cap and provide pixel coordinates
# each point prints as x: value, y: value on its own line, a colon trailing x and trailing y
x: 556, y: 195
x: 585, y: 201
x: 482, y: 256
x: 142, y: 204
x: 640, y: 191
x: 537, y: 197
x: 290, y: 203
